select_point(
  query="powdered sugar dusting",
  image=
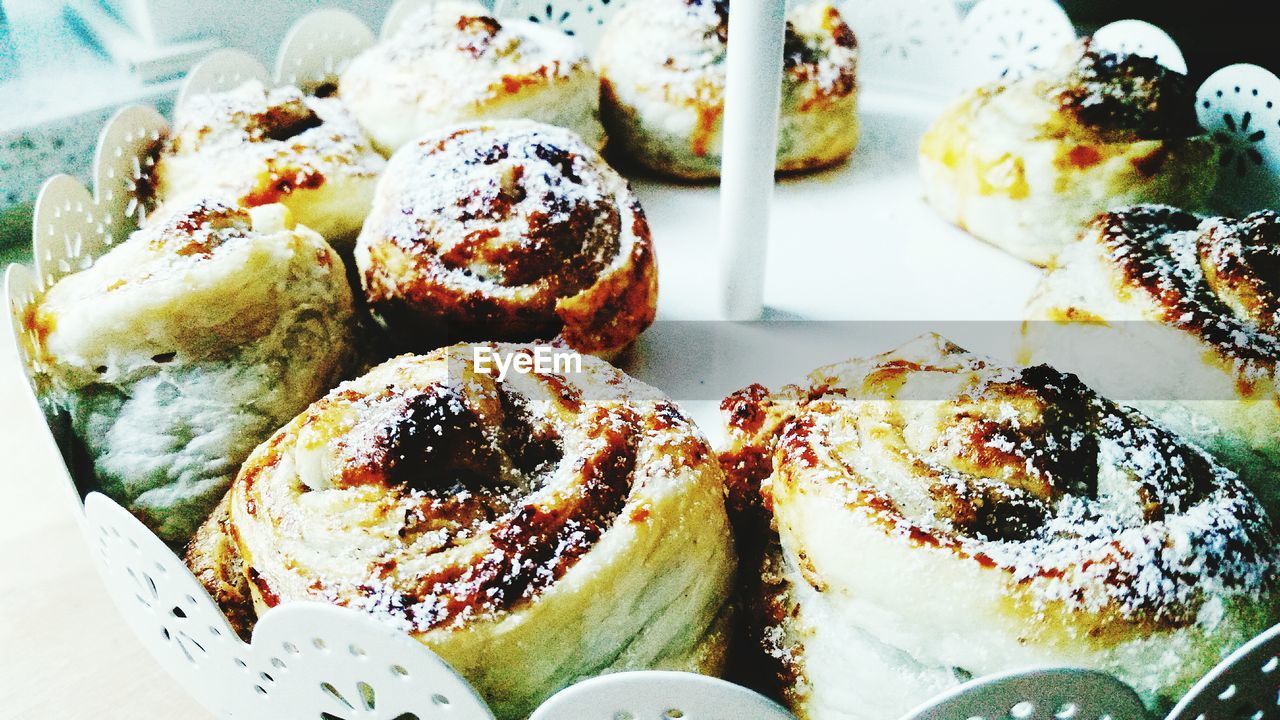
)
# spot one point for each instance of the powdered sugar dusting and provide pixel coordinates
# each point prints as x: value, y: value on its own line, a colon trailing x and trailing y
x: 492, y: 228
x: 253, y: 130
x: 1086, y: 506
x: 1214, y: 277
x: 462, y: 55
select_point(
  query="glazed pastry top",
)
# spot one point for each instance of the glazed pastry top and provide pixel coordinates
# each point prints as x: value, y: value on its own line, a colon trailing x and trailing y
x: 1124, y: 95
x: 1215, y: 277
x: 205, y: 280
x: 527, y: 210
x: 436, y: 494
x: 510, y: 230
x: 1090, y: 96
x: 262, y: 144
x: 1087, y: 506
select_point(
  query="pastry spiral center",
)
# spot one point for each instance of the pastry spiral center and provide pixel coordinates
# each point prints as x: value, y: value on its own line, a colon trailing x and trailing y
x: 469, y: 480
x: 521, y: 214
x: 998, y: 460
x: 472, y: 443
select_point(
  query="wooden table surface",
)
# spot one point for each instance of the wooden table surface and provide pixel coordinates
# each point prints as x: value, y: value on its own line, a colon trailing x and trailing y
x: 65, y: 653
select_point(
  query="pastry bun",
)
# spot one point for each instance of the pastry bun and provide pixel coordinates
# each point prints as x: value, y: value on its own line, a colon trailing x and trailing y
x: 452, y: 62
x: 1176, y: 315
x: 186, y: 345
x: 1024, y: 165
x: 252, y: 146
x: 940, y: 518
x: 662, y: 65
x: 510, y: 230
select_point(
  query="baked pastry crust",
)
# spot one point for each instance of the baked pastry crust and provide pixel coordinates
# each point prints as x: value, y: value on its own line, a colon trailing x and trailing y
x: 452, y: 62
x: 1176, y: 315
x: 532, y: 531
x: 186, y: 345
x: 214, y: 559
x: 252, y: 146
x: 662, y: 69
x: 1024, y: 165
x: 939, y: 517
x: 510, y: 230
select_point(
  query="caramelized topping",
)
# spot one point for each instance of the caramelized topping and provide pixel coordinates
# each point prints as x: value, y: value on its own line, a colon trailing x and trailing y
x: 566, y: 235
x: 1217, y: 277
x: 255, y: 146
x: 249, y: 114
x: 282, y: 122
x: 427, y: 441
x: 1125, y: 95
x: 534, y: 544
x: 1241, y: 260
x: 478, y: 33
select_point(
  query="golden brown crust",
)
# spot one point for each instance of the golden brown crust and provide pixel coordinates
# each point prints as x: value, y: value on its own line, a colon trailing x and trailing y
x: 763, y: 658
x: 215, y: 560
x: 805, y: 62
x: 532, y: 236
x: 803, y: 55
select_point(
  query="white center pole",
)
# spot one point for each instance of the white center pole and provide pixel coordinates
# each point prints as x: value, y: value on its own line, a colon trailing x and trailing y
x: 752, y: 97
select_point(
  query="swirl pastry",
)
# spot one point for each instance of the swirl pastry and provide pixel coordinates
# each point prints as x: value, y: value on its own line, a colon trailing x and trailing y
x: 939, y: 517
x: 252, y: 146
x: 508, y: 231
x: 1175, y: 315
x: 451, y: 62
x: 188, y: 344
x: 662, y: 65
x: 532, y: 531
x: 1025, y: 165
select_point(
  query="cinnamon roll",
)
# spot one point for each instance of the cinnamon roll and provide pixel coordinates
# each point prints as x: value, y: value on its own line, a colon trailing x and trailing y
x: 188, y: 344
x: 662, y: 65
x: 1024, y: 165
x: 939, y: 517
x: 253, y: 146
x: 1175, y: 315
x: 532, y: 530
x: 507, y: 231
x: 452, y: 62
